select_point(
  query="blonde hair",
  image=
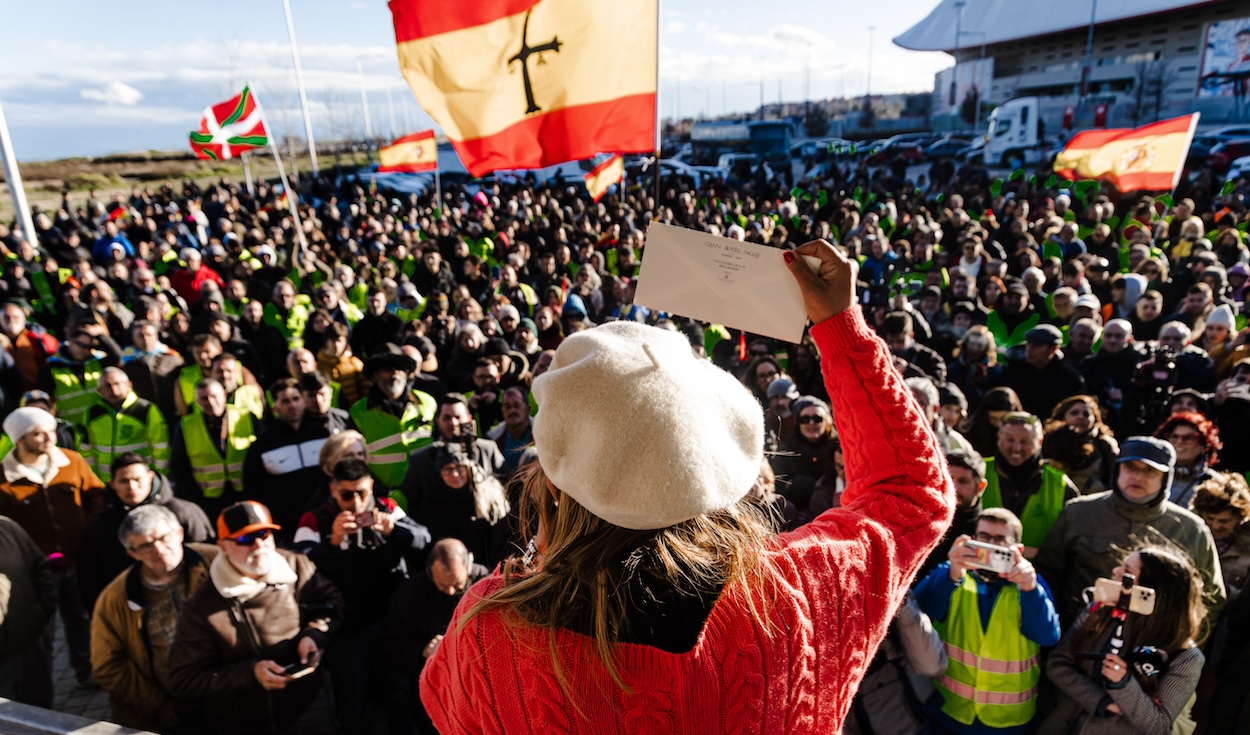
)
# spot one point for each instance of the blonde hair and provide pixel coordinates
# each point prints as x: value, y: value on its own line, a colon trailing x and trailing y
x: 588, y: 563
x: 336, y: 446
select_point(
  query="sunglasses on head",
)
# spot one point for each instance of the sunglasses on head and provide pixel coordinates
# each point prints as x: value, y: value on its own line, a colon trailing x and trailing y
x: 248, y: 539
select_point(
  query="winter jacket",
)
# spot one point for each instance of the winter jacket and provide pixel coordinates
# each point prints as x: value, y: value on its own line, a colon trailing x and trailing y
x: 1094, y: 532
x: 28, y: 593
x: 222, y: 634
x: 121, y: 648
x: 1083, y: 698
x: 102, y: 557
x: 349, y: 372
x: 282, y: 471
x: 54, y: 514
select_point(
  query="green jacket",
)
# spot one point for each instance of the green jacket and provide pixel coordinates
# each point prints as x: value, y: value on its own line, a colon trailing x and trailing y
x: 1095, y: 532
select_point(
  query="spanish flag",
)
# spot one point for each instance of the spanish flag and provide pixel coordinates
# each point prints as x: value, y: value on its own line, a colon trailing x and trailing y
x: 532, y: 83
x: 604, y: 175
x: 410, y: 154
x: 1149, y: 158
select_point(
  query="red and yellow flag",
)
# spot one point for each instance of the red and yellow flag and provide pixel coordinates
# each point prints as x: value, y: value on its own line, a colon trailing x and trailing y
x: 604, y: 175
x: 410, y: 154
x: 532, y: 83
x: 1149, y: 158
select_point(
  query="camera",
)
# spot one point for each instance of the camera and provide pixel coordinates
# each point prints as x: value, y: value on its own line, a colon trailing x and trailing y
x: 990, y: 557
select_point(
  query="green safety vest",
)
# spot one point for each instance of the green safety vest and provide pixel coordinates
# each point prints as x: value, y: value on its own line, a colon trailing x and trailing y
x: 293, y: 326
x: 212, y: 471
x: 995, y: 324
x: 358, y: 295
x: 188, y: 376
x: 75, y: 394
x: 1042, y: 508
x: 136, y: 427
x: 991, y: 674
x: 250, y: 398
x: 389, y: 440
x: 531, y: 299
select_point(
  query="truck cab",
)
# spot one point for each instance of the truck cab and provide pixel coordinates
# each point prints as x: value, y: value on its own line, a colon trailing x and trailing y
x: 1015, y: 136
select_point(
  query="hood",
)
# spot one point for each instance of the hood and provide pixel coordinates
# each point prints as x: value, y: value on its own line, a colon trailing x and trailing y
x: 1154, y: 504
x: 1134, y: 287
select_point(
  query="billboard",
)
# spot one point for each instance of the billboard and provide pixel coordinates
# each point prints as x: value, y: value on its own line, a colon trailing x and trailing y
x: 965, y: 84
x: 1226, y: 59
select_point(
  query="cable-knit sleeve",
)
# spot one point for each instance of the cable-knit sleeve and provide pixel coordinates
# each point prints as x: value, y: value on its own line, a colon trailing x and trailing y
x: 854, y: 563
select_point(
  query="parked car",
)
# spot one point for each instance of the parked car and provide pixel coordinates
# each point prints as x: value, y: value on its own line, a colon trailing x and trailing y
x: 907, y: 150
x: 1199, y: 149
x: 946, y: 148
x: 1223, y: 154
x: 1238, y: 169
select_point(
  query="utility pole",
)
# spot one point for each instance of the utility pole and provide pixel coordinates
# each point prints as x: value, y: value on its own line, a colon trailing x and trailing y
x: 364, y: 100
x: 1088, y: 69
x: 868, y: 83
x: 761, y: 87
x: 959, y: 16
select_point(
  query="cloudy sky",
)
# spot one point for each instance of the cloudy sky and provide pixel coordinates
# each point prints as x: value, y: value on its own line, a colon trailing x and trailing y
x: 95, y: 81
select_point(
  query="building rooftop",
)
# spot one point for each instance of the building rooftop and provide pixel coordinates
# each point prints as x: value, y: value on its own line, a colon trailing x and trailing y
x: 986, y: 22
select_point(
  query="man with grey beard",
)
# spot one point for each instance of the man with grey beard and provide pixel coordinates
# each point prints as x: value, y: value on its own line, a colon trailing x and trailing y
x: 395, y: 419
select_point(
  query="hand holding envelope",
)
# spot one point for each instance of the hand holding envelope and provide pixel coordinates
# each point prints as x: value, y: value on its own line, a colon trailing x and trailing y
x: 743, y: 285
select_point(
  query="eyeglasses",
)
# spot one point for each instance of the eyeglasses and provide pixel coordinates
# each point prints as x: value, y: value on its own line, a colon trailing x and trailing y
x: 248, y: 539
x: 454, y: 469
x: 812, y: 419
x: 986, y: 538
x: 144, y: 548
x: 1184, y: 438
x: 766, y: 376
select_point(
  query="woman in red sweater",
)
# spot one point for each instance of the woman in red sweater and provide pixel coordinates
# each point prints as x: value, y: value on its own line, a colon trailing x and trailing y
x: 656, y: 600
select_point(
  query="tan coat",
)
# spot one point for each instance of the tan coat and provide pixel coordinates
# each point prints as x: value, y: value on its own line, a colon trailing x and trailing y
x: 54, y: 515
x: 121, y: 650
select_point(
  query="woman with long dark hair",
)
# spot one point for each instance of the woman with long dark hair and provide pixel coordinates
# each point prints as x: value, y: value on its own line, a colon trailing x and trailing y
x: 1135, y: 692
x: 983, y: 424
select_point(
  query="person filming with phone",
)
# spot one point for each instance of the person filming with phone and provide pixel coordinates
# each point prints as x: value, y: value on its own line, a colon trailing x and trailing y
x: 994, y: 614
x: 1130, y: 664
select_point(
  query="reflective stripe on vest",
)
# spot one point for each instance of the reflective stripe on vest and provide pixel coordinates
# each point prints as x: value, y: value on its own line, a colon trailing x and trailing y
x: 389, y: 441
x: 1041, y: 510
x: 210, y: 470
x: 991, y: 671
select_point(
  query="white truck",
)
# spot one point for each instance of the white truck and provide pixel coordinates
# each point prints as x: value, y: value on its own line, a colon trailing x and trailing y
x: 1016, y: 135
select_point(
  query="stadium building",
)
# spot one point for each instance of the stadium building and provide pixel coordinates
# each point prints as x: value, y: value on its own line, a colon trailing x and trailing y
x: 1149, y: 59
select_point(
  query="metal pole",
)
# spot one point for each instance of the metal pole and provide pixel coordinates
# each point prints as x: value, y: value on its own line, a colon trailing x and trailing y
x: 658, y: 129
x: 1088, y: 71
x: 299, y: 84
x: 364, y: 99
x: 959, y: 16
x: 390, y: 108
x: 291, y: 197
x: 868, y: 83
x: 761, y: 87
x: 13, y: 176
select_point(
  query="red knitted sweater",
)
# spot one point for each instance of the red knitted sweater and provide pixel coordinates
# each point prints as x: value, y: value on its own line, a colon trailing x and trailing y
x: 838, y: 582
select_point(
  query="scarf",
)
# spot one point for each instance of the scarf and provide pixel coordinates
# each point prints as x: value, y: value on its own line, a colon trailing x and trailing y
x: 233, y: 585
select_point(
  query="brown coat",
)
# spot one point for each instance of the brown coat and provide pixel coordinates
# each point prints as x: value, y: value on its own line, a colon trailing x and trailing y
x: 220, y: 639
x: 121, y: 650
x: 349, y: 372
x: 54, y: 515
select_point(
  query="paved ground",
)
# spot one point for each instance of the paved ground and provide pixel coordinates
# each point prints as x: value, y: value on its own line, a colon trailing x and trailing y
x: 70, y: 698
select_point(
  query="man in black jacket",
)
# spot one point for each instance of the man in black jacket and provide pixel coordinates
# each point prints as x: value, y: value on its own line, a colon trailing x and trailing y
x: 378, y: 326
x: 281, y: 469
x: 101, y: 556
x: 898, y: 331
x: 1042, y: 379
x: 365, y: 545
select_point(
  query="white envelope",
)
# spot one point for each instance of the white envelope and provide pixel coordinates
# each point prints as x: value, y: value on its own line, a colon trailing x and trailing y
x: 741, y: 285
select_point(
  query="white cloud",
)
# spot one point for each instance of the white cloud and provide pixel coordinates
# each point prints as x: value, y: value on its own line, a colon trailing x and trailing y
x: 113, y: 93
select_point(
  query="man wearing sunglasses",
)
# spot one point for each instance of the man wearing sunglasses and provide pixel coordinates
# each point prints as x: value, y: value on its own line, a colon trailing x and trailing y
x: 367, y: 547
x: 240, y: 637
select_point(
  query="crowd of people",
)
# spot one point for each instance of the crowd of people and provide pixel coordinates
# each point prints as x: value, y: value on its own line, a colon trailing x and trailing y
x: 255, y: 470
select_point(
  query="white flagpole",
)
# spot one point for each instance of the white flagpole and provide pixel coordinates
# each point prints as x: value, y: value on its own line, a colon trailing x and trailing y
x: 247, y: 174
x: 658, y: 129
x: 299, y: 84
x: 14, y: 177
x: 286, y: 185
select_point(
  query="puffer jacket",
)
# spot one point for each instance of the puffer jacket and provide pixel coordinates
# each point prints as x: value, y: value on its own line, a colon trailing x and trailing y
x: 221, y: 638
x: 121, y: 650
x: 1095, y: 532
x: 349, y: 372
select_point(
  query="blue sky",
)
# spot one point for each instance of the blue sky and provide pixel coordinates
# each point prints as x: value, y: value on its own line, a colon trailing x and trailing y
x: 100, y: 79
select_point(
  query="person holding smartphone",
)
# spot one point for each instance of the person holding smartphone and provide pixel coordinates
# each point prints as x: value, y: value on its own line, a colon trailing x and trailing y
x: 1136, y: 691
x: 995, y: 614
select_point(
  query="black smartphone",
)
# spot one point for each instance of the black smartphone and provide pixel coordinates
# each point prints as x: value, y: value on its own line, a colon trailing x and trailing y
x: 299, y: 670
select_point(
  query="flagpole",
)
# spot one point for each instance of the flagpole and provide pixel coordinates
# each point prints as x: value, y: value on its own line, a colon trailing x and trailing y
x: 247, y: 174
x: 656, y: 213
x: 299, y: 84
x: 14, y: 177
x: 286, y: 185
x: 438, y: 183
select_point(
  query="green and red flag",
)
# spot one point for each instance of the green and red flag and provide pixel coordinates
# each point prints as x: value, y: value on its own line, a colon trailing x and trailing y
x: 230, y: 128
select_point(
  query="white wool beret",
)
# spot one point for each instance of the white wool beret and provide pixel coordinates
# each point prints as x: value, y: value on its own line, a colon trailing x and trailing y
x: 26, y: 419
x: 641, y: 432
x: 1222, y: 315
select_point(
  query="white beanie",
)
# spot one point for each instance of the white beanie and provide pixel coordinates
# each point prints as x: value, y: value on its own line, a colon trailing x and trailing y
x: 26, y: 419
x: 1222, y: 315
x: 678, y: 437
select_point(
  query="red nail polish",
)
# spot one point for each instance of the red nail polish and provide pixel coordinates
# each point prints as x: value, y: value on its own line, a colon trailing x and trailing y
x: 789, y: 256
